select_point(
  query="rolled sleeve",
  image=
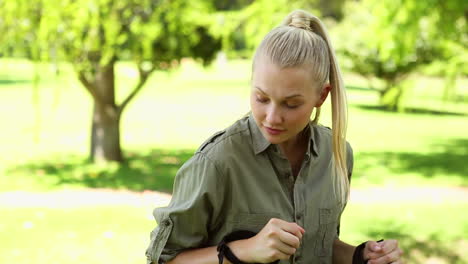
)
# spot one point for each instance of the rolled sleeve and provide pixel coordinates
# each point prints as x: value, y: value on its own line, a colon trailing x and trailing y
x: 194, y: 210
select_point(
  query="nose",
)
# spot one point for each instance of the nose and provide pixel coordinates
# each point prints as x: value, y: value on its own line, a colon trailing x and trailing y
x: 273, y: 116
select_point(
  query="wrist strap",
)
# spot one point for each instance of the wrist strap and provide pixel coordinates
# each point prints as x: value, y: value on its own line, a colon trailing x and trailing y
x: 358, y: 255
x: 225, y: 252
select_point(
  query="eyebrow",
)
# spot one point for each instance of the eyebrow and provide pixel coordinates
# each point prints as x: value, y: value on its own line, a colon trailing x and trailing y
x: 287, y: 97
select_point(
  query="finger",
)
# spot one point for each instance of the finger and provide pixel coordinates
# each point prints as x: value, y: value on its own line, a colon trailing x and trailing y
x: 372, y: 250
x: 301, y: 228
x: 285, y: 248
x: 290, y: 239
x: 373, y: 246
x: 389, y: 245
x: 392, y: 257
x: 293, y: 228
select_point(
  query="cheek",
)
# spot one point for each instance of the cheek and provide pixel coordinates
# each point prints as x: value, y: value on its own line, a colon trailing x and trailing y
x: 255, y: 107
x: 299, y: 117
x: 252, y: 101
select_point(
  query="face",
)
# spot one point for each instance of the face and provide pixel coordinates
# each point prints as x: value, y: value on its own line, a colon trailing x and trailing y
x: 282, y: 100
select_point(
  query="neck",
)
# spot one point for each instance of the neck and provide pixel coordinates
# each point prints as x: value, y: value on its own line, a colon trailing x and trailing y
x: 291, y: 147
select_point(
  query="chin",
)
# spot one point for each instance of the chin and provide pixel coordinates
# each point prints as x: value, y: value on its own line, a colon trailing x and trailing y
x: 274, y: 139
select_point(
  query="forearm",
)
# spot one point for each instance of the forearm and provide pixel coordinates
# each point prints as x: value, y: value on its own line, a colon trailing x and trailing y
x: 342, y: 252
x: 208, y: 255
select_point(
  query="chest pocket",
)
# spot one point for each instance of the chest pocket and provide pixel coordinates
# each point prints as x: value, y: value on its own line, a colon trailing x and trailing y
x: 326, y: 234
x: 252, y: 222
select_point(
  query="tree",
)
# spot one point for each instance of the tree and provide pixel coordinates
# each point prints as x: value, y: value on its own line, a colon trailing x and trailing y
x: 246, y: 23
x: 386, y: 41
x: 94, y: 34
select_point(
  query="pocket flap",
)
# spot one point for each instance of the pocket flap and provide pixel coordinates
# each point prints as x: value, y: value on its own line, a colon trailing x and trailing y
x: 252, y: 221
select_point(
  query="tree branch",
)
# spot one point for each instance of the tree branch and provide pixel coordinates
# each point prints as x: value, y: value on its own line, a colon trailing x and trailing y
x: 144, y: 74
x: 89, y: 87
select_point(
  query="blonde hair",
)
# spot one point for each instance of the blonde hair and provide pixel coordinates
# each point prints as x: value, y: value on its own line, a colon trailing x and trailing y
x: 302, y: 40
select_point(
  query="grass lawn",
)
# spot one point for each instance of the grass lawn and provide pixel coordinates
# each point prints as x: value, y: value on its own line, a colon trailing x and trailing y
x: 121, y: 234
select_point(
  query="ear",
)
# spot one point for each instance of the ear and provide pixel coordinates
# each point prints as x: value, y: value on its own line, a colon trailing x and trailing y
x: 323, y: 94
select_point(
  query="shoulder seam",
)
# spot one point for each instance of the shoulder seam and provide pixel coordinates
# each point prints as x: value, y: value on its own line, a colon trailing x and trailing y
x: 206, y: 151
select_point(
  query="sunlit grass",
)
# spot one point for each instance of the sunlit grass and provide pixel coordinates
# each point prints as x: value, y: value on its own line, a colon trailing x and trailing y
x: 75, y: 235
x: 121, y: 234
x: 428, y: 233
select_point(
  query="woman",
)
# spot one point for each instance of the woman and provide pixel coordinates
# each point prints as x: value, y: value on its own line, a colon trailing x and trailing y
x: 271, y: 187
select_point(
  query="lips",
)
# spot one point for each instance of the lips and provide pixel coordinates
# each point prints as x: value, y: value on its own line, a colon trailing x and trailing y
x: 273, y: 131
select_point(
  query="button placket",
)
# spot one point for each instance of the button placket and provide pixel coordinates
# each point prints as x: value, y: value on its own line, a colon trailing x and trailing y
x: 299, y: 204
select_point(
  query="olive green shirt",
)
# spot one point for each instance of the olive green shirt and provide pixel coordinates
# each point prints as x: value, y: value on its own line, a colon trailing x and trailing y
x: 238, y: 180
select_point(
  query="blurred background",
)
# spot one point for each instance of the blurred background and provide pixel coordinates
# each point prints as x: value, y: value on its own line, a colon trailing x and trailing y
x: 102, y: 101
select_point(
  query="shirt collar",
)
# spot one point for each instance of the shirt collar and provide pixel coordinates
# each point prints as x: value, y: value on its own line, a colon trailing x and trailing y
x: 260, y: 143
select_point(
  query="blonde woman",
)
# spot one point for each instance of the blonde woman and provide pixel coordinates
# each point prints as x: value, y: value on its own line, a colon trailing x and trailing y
x: 272, y: 186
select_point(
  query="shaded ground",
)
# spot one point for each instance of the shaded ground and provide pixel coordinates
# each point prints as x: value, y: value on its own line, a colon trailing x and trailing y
x: 412, y: 110
x: 154, y: 170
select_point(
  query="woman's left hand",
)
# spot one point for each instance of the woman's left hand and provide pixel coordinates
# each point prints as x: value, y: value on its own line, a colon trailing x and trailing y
x: 384, y: 252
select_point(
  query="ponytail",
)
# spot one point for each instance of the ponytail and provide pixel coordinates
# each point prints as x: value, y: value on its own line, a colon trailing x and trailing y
x: 339, y: 113
x: 287, y: 46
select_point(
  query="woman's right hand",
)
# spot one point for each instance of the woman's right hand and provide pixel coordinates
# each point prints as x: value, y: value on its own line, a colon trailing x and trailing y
x: 277, y: 240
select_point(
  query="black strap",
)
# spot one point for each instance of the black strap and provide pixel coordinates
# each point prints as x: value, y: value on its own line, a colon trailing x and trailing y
x: 358, y: 256
x: 225, y: 252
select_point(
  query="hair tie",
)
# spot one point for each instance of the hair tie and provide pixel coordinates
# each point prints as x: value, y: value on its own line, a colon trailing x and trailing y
x: 300, y: 22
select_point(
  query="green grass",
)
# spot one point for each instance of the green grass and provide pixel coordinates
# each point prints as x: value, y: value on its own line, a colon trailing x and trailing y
x: 75, y: 235
x: 426, y: 232
x: 121, y: 234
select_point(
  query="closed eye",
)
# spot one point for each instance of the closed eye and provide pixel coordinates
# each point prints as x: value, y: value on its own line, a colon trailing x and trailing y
x: 291, y: 106
x: 262, y: 100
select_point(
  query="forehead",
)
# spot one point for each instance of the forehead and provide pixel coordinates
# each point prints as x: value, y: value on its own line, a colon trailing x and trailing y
x: 269, y: 76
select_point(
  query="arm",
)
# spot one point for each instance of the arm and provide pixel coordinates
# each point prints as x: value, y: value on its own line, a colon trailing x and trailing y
x: 196, y: 204
x: 342, y: 252
x: 277, y: 240
x: 375, y: 252
x: 209, y: 255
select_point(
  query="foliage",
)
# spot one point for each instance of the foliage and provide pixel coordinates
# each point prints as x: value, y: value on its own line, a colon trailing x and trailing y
x: 86, y: 30
x: 93, y: 35
x: 386, y: 41
x: 244, y: 28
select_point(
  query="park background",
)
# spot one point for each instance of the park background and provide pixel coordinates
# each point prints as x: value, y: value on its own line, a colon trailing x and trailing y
x: 77, y: 191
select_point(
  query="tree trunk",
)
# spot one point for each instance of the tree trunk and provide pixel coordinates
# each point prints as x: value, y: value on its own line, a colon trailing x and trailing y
x: 105, y: 128
x: 390, y: 96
